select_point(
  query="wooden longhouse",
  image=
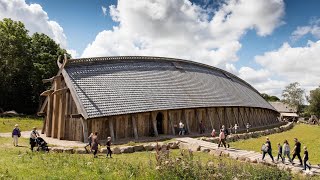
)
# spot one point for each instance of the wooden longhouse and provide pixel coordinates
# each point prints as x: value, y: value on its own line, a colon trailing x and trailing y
x: 138, y: 96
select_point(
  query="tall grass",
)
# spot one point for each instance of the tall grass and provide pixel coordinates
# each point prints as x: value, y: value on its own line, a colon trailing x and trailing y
x: 25, y: 123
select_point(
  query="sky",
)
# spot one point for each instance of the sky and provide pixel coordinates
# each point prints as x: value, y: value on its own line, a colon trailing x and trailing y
x: 269, y: 43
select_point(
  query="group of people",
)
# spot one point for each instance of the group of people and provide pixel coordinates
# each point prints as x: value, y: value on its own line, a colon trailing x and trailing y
x: 93, y: 143
x: 284, y: 150
x: 16, y: 134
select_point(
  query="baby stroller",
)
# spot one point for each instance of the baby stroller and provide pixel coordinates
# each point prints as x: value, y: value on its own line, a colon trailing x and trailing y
x: 42, y: 144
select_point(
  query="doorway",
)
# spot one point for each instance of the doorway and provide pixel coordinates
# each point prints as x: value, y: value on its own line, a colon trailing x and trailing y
x: 159, y: 119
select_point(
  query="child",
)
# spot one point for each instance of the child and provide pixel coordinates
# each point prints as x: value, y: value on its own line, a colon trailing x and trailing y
x: 279, y: 152
x: 306, y: 159
x: 236, y: 128
x: 248, y: 126
x: 109, y: 147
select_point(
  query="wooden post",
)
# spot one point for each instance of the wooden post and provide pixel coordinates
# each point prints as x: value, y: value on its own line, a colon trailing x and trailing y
x: 134, y: 124
x: 62, y: 113
x: 187, y: 121
x: 49, y: 116
x: 111, y: 129
x: 209, y: 117
x: 55, y: 115
x: 44, y: 125
x: 154, y: 122
x: 84, y: 130
x: 171, y: 123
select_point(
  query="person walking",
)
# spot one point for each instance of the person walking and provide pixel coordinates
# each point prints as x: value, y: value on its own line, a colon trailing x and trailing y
x: 89, y: 142
x: 286, y: 151
x: 213, y: 133
x: 95, y: 143
x: 109, y: 152
x: 181, y: 128
x: 222, y: 139
x: 33, y: 137
x: 279, y: 152
x: 235, y: 128
x: 268, y: 150
x: 16, y: 133
x: 296, y: 151
x: 306, y: 159
x: 226, y: 134
x: 248, y: 126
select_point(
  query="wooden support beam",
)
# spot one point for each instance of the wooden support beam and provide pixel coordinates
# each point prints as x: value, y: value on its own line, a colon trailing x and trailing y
x: 187, y: 120
x: 171, y: 123
x: 134, y: 124
x: 60, y: 91
x: 49, y: 116
x: 47, y: 92
x: 75, y: 115
x: 56, y: 100
x: 84, y: 123
x: 61, y: 117
x: 209, y: 117
x: 111, y: 129
x: 154, y: 123
x: 51, y: 79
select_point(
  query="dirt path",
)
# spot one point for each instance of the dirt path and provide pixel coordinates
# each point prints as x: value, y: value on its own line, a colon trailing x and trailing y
x: 250, y: 156
x: 50, y: 141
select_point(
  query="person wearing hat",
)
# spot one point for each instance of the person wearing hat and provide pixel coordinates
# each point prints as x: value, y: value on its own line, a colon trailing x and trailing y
x: 16, y: 133
x: 109, y: 147
x: 33, y: 136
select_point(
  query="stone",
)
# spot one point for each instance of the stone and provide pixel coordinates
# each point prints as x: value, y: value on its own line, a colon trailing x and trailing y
x: 103, y: 150
x: 137, y: 148
x: 57, y: 149
x: 80, y: 151
x: 216, y: 153
x: 116, y: 150
x: 241, y: 158
x: 127, y: 149
x: 68, y: 150
x: 173, y: 145
x: 203, y: 149
x: 183, y: 145
x: 164, y: 147
x: 277, y: 130
x: 149, y: 147
x: 254, y: 161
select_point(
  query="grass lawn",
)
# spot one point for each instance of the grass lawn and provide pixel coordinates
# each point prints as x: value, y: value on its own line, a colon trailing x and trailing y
x: 25, y: 124
x: 20, y: 163
x: 308, y: 135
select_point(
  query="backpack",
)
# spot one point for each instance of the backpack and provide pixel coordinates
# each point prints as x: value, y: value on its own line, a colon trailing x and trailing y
x: 264, y: 148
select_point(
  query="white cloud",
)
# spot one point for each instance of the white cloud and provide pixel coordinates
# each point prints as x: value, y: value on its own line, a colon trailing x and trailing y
x: 34, y: 18
x: 294, y: 64
x: 179, y: 28
x: 313, y: 28
x: 74, y: 54
x: 104, y: 10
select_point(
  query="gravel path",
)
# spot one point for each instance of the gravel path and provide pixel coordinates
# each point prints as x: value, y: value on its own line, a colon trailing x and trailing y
x: 50, y: 141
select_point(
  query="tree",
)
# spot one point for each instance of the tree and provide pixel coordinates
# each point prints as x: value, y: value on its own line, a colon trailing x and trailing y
x: 314, y: 100
x: 24, y: 62
x: 293, y: 95
x: 270, y: 98
x: 15, y: 66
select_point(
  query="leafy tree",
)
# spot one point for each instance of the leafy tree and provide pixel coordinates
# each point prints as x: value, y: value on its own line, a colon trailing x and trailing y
x: 24, y: 62
x: 314, y: 100
x: 293, y: 95
x: 270, y: 98
x: 15, y: 66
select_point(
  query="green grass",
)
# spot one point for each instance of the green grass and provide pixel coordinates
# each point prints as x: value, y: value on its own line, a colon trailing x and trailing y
x: 308, y: 135
x: 20, y: 163
x: 25, y: 123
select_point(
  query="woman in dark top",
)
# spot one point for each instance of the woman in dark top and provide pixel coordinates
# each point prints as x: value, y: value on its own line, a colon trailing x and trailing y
x: 269, y: 150
x: 109, y: 147
x: 95, y: 143
x: 306, y: 158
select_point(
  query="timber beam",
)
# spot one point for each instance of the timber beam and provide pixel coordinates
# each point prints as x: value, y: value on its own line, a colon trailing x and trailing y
x: 76, y: 116
x: 47, y: 92
x: 51, y: 79
x: 59, y: 91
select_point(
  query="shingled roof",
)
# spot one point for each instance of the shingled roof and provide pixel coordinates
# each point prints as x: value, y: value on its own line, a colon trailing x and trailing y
x: 107, y: 86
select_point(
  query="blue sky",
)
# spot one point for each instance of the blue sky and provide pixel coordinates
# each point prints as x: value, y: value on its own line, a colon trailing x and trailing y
x: 267, y: 43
